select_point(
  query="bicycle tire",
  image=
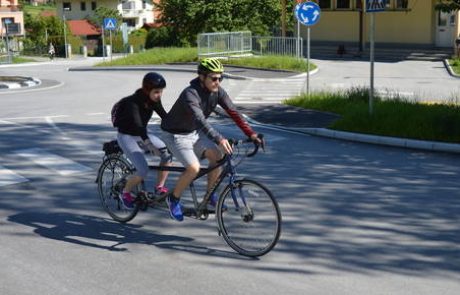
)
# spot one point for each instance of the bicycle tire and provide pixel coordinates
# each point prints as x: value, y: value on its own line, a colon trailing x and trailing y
x: 251, y: 222
x: 111, y: 179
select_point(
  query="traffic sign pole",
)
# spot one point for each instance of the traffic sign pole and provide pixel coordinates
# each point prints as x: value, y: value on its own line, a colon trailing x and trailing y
x: 103, y: 44
x: 308, y: 62
x: 111, y: 48
x: 371, y: 88
x: 307, y: 13
x: 372, y: 6
x: 109, y: 24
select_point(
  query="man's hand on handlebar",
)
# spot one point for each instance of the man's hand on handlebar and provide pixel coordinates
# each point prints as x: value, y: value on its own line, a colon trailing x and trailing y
x: 226, y: 146
x: 258, y: 139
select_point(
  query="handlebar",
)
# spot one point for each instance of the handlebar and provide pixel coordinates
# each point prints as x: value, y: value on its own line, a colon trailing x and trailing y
x: 236, y: 142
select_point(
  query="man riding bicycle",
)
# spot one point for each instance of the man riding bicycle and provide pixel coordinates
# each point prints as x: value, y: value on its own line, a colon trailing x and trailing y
x: 131, y: 115
x: 190, y: 137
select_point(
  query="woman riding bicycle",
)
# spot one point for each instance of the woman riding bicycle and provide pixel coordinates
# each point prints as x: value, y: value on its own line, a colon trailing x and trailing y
x: 131, y: 116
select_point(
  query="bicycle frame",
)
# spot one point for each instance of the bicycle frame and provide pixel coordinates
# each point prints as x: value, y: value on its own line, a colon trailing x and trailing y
x: 200, y: 208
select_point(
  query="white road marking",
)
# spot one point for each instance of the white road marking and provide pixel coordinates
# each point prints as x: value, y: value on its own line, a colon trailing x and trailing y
x: 31, y: 118
x: 8, y: 177
x: 50, y: 122
x: 61, y: 165
x: 96, y: 114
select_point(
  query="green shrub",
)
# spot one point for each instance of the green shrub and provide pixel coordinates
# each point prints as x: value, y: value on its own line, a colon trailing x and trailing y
x: 163, y: 37
x: 391, y: 116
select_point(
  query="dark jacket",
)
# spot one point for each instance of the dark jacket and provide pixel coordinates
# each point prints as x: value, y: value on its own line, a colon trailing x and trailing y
x: 137, y: 111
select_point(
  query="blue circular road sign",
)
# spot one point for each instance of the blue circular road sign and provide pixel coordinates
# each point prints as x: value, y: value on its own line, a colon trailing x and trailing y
x: 307, y: 13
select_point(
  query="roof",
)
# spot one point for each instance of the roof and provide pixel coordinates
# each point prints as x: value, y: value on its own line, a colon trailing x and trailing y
x: 83, y: 27
x: 152, y: 25
x: 48, y: 13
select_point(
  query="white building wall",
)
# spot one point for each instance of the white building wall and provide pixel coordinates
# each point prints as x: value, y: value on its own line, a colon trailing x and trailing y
x: 134, y: 11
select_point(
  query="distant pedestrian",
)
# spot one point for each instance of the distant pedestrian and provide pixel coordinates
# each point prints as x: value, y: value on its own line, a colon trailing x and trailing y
x: 51, y: 51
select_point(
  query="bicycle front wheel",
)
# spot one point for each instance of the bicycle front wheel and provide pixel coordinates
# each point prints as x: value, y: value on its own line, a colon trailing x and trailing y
x: 249, y: 218
x: 112, y: 177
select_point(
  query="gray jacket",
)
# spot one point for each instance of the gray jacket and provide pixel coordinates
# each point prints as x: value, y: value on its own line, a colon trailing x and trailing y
x: 194, y: 106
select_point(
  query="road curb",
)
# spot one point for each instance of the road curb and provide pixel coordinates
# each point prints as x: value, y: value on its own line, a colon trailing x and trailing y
x: 191, y: 70
x: 450, y: 70
x: 154, y: 68
x: 433, y: 146
x: 16, y: 82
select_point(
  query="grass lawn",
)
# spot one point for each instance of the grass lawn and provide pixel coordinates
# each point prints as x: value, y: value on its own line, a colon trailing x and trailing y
x: 18, y: 60
x: 157, y: 56
x: 455, y: 64
x: 37, y: 10
x: 398, y: 117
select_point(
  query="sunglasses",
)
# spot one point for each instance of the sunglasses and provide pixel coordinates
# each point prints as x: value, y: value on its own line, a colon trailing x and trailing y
x: 214, y: 79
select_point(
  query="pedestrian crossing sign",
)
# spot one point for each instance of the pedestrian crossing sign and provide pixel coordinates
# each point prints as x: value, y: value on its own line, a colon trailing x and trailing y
x: 375, y: 5
x: 110, y: 23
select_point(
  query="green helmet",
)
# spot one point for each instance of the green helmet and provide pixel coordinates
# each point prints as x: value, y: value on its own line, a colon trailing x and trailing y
x: 210, y: 65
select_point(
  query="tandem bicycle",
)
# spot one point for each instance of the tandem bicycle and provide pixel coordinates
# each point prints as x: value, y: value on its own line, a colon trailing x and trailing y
x: 247, y: 213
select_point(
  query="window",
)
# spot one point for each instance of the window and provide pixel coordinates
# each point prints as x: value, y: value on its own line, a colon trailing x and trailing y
x: 359, y: 4
x: 7, y: 20
x: 343, y: 4
x: 82, y: 6
x: 67, y: 6
x: 93, y: 5
x: 324, y: 4
x: 130, y: 22
x: 402, y: 4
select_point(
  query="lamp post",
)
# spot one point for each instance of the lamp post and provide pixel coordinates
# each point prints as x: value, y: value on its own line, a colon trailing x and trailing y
x: 64, y: 9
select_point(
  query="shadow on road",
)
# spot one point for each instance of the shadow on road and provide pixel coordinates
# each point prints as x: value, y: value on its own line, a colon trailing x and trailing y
x: 91, y: 231
x: 346, y: 206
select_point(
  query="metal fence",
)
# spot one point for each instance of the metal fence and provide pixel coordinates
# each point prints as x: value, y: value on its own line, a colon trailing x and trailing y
x: 268, y: 45
x: 4, y: 55
x: 243, y: 43
x: 224, y: 43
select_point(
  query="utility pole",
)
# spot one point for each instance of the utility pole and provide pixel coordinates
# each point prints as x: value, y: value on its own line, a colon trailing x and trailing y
x: 283, y: 18
x: 65, y: 31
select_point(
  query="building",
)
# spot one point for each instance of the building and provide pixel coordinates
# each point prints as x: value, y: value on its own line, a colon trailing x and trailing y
x: 403, y: 23
x: 135, y: 13
x: 11, y: 18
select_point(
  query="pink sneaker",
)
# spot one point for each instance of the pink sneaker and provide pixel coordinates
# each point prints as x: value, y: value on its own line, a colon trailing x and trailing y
x: 128, y: 200
x: 160, y: 190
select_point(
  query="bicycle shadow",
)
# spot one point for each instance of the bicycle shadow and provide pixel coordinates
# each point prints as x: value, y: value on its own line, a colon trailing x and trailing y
x: 105, y: 234
x: 90, y: 231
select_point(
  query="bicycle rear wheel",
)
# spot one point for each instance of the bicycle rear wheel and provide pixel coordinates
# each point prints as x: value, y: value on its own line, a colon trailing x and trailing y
x: 251, y: 223
x: 112, y: 178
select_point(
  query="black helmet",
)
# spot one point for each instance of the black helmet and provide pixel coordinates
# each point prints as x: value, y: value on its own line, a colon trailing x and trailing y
x: 153, y: 80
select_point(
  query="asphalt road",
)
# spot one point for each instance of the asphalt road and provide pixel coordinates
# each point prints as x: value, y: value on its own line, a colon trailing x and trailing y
x: 357, y: 218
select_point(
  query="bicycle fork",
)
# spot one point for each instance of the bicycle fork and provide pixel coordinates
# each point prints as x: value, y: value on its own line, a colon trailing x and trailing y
x: 237, y: 192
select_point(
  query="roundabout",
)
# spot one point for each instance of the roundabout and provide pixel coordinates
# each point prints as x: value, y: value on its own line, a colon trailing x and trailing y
x: 16, y: 82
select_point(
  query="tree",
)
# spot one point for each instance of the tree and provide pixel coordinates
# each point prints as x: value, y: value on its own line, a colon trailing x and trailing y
x: 187, y: 18
x: 102, y: 12
x: 44, y: 29
x: 448, y: 5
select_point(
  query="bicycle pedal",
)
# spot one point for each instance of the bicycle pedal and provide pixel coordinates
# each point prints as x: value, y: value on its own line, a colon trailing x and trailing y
x: 189, y: 212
